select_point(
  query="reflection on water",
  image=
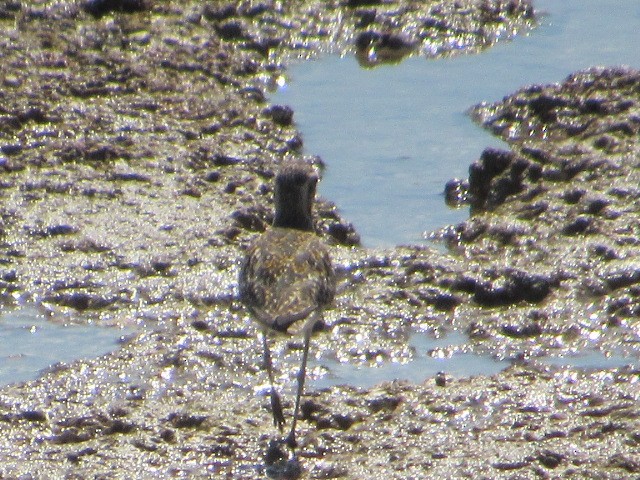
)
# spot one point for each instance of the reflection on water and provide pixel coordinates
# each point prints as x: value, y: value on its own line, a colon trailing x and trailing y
x: 392, y: 136
x: 30, y: 343
x: 447, y: 355
x: 433, y: 355
x: 592, y: 360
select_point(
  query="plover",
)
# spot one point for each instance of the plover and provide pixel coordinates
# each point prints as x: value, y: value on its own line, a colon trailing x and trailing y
x: 287, y: 279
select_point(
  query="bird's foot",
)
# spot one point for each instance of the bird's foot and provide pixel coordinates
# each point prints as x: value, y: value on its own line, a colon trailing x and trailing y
x: 274, y: 453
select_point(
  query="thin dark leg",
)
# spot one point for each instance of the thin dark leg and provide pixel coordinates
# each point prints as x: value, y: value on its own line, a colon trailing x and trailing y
x: 276, y: 405
x: 291, y: 438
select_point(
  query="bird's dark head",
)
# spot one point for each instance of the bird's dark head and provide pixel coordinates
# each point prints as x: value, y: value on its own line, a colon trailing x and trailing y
x: 295, y: 189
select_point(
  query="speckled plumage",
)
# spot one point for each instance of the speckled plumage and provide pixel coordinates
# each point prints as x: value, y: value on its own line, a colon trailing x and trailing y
x: 286, y: 279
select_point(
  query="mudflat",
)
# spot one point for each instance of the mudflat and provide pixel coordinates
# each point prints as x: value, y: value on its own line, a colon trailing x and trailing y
x: 137, y: 152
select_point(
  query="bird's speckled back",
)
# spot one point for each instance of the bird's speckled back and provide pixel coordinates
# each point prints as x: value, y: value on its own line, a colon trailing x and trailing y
x: 286, y: 278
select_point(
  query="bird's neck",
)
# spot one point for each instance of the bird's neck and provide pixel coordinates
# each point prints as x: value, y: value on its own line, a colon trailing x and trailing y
x: 290, y: 218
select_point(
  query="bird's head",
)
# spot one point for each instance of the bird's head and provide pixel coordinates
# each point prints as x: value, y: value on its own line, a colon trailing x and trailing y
x: 295, y: 189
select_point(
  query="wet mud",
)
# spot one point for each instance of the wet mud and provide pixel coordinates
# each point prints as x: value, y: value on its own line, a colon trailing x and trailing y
x: 137, y: 150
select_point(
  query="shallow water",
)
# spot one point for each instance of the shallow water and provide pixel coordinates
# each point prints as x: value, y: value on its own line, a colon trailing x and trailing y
x: 592, y: 360
x: 30, y: 343
x: 447, y: 355
x: 432, y: 356
x: 392, y: 136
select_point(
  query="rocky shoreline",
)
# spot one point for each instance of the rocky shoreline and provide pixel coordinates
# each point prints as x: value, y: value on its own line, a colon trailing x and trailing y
x: 137, y: 151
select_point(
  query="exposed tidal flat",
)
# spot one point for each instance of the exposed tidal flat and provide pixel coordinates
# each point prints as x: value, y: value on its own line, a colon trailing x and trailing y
x: 137, y: 152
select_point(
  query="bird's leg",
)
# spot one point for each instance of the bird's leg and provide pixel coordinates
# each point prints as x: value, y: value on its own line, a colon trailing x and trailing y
x: 291, y: 438
x: 276, y: 405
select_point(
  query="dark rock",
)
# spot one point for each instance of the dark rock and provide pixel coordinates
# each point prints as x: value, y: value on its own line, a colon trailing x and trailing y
x: 10, y: 276
x: 533, y: 210
x: 295, y: 143
x: 517, y: 286
x: 495, y: 161
x: 573, y: 196
x: 184, y: 420
x: 102, y: 153
x: 487, y: 192
x: 534, y: 172
x: 456, y: 192
x: 160, y: 266
x: 11, y: 149
x: 476, y: 331
x: 342, y: 422
x: 373, y: 47
x: 619, y: 460
x: 145, y: 446
x: 344, y: 234
x: 545, y: 106
x: 622, y: 279
x: 75, y: 457
x: 437, y: 24
x: 309, y: 409
x: 578, y: 226
x: 250, y: 219
x: 256, y: 9
x: 365, y: 18
x: 200, y: 325
x: 119, y: 426
x: 550, y: 459
x: 606, y: 253
x: 231, y: 30
x: 232, y: 186
x: 228, y: 233
x: 70, y: 435
x: 510, y: 465
x: 9, y: 9
x: 213, y: 176
x: 471, y: 230
x: 526, y: 331
x: 264, y: 45
x: 464, y: 284
x: 231, y: 333
x: 596, y: 206
x: 280, y: 114
x: 168, y: 435
x: 595, y: 106
x: 387, y: 404
x: 77, y: 300
x: 80, y: 300
x: 98, y: 8
x: 362, y: 3
x: 54, y: 230
x: 441, y: 301
x: 605, y: 142
x: 501, y: 189
x: 34, y: 114
x: 210, y: 129
x: 130, y: 177
x: 221, y: 160
x: 216, y: 11
x: 34, y: 416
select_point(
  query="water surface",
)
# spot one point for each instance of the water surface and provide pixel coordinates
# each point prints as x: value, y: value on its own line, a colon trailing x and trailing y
x: 30, y: 343
x: 392, y: 136
x: 432, y: 356
x: 448, y: 355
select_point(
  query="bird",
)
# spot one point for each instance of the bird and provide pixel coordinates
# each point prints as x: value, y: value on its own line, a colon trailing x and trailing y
x: 286, y: 279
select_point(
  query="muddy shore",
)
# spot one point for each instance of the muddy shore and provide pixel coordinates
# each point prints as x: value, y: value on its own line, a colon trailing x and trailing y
x: 137, y: 149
